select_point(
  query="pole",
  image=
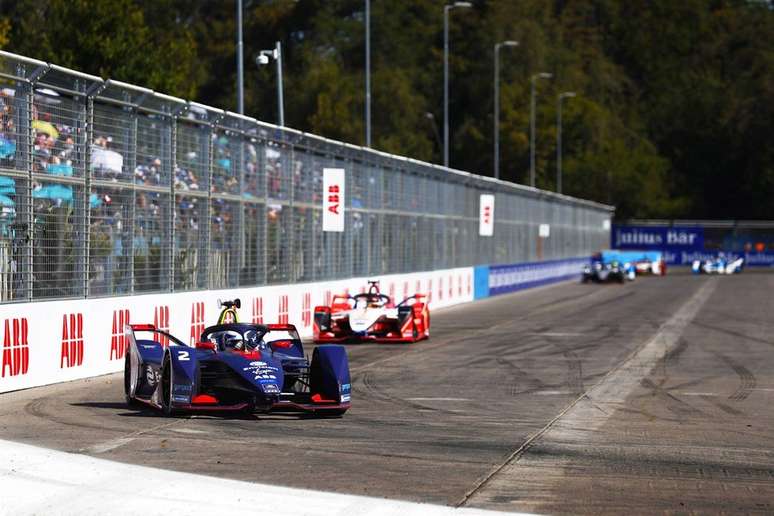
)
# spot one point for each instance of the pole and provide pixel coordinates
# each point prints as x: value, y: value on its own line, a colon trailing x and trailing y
x: 368, y: 71
x: 559, y: 147
x: 280, y: 100
x: 240, y: 63
x: 446, y: 85
x: 496, y: 112
x: 532, y: 133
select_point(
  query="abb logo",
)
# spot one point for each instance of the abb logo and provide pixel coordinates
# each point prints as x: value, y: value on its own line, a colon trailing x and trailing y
x: 469, y: 284
x: 440, y: 288
x: 487, y: 214
x: 283, y: 310
x: 257, y: 310
x: 392, y: 291
x: 118, y: 340
x: 197, y: 321
x: 451, y: 286
x: 161, y: 321
x: 418, y: 288
x: 334, y: 199
x: 72, y: 341
x: 429, y: 290
x: 459, y: 285
x: 327, y: 298
x: 306, y: 310
x: 405, y: 289
x: 16, y: 351
x: 334, y: 187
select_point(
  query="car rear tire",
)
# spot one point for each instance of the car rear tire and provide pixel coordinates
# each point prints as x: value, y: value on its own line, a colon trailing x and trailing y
x: 130, y: 385
x: 166, y: 389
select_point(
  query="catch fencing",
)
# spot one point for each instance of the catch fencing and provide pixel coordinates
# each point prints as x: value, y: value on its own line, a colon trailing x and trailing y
x: 110, y: 189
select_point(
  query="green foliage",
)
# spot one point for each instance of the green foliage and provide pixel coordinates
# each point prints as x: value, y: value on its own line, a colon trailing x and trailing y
x: 673, y: 117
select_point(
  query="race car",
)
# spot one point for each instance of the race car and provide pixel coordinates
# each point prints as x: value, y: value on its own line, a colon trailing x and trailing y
x: 601, y: 272
x: 717, y: 266
x: 372, y: 316
x: 234, y: 367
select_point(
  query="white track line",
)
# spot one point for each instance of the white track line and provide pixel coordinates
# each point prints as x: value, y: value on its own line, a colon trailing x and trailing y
x: 586, y: 412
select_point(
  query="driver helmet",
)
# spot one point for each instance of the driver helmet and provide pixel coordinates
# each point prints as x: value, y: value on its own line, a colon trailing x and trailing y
x: 233, y: 341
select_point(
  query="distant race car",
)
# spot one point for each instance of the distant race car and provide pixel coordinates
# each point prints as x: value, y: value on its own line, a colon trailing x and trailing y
x: 600, y: 272
x: 372, y: 316
x: 717, y: 266
x: 643, y: 262
x: 235, y: 367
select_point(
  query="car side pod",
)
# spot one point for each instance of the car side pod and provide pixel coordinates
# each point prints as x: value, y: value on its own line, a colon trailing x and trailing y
x: 329, y: 380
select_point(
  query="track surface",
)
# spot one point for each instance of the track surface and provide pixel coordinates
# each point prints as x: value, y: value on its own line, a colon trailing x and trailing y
x: 491, y: 411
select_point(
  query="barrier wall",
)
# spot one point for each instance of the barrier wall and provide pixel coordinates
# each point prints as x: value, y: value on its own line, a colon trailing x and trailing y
x: 501, y: 279
x: 56, y: 341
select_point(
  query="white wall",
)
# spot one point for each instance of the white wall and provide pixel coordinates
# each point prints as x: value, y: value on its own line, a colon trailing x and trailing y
x: 56, y: 341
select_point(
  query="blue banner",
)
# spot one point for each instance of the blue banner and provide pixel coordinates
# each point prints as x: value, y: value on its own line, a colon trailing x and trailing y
x: 509, y: 278
x: 682, y: 245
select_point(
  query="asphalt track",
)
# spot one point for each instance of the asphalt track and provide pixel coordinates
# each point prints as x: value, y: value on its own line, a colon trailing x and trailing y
x: 654, y: 396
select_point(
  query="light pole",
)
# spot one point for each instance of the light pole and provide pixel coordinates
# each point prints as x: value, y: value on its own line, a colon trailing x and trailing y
x: 541, y: 75
x: 368, y: 71
x: 497, y: 103
x: 263, y: 59
x: 563, y: 95
x: 446, y: 10
x: 431, y: 118
x: 240, y: 63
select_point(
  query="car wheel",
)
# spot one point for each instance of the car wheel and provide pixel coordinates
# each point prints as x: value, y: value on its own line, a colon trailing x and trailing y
x: 130, y: 381
x: 166, y: 388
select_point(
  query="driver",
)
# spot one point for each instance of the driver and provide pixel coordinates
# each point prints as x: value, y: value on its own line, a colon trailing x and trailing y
x: 232, y: 341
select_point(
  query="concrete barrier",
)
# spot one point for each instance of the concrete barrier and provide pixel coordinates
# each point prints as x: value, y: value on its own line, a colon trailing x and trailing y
x: 56, y: 341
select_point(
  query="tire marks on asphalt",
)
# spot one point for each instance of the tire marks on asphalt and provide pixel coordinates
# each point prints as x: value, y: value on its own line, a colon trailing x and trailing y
x: 747, y: 381
x: 586, y: 411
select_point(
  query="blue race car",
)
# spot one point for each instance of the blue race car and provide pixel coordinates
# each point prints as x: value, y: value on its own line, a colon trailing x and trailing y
x: 235, y: 367
x: 601, y: 272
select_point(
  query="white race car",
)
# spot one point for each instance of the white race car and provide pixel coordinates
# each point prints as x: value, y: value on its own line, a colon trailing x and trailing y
x: 372, y: 316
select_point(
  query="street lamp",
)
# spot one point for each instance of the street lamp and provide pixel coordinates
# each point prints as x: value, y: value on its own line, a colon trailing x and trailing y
x: 368, y: 72
x: 563, y: 95
x: 240, y: 63
x: 431, y: 118
x: 497, y: 103
x: 446, y: 10
x: 541, y: 75
x: 263, y: 59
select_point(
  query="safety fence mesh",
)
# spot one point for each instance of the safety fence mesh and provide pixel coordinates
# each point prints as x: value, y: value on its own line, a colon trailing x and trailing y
x: 108, y: 189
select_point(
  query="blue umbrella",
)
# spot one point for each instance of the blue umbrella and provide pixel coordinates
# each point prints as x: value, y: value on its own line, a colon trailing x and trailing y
x: 6, y: 201
x: 7, y: 148
x: 54, y: 192
x: 60, y: 169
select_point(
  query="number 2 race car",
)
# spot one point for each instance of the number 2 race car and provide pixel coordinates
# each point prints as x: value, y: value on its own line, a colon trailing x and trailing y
x: 372, y: 316
x: 235, y: 367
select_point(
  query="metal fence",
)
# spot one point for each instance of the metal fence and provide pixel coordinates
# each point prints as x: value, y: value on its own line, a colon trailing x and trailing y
x: 107, y: 188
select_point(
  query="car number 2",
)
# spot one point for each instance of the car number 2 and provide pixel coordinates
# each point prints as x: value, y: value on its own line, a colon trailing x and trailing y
x: 183, y: 355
